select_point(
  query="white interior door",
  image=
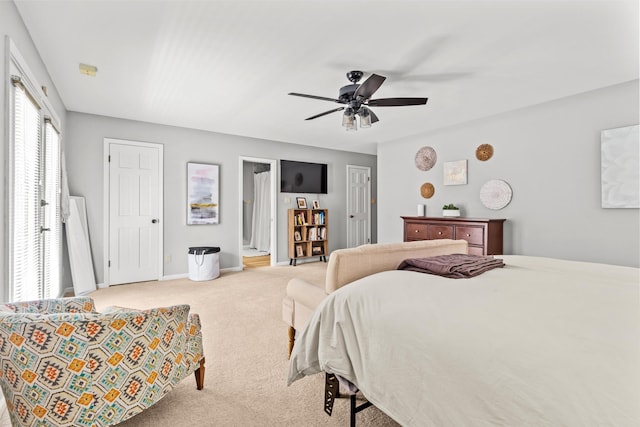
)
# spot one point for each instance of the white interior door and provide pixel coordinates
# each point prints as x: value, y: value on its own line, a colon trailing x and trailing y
x: 358, y: 205
x: 135, y: 195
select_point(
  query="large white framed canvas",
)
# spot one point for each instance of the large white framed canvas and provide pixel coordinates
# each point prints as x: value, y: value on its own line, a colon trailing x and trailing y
x: 203, y: 190
x: 620, y: 158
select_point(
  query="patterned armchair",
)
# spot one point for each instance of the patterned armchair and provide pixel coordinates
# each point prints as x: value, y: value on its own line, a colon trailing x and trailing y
x: 64, y: 364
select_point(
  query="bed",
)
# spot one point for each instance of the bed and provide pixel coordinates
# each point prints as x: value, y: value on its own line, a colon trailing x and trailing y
x: 540, y: 342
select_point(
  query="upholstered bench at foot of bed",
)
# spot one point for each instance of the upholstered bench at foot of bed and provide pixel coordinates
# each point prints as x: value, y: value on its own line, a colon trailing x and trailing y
x: 347, y: 265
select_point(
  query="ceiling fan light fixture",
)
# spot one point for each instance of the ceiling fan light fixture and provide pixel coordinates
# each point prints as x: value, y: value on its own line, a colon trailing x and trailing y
x: 365, y: 117
x: 352, y: 125
x: 349, y: 119
x: 356, y: 99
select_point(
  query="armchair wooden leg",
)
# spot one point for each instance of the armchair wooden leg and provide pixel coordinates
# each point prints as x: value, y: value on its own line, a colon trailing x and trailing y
x: 199, y: 373
x: 292, y: 339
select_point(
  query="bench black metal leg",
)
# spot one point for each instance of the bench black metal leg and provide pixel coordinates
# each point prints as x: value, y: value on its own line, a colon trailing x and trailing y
x: 355, y: 409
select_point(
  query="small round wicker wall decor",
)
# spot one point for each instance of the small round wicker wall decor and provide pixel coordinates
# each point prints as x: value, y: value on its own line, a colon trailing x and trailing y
x: 427, y: 190
x: 484, y: 152
x: 425, y: 158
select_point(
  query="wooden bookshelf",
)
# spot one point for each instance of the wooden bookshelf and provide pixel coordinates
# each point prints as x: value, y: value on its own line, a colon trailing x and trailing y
x: 308, y: 229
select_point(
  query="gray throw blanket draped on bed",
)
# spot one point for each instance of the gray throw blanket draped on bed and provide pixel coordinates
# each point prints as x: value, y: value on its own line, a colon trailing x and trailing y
x: 455, y: 266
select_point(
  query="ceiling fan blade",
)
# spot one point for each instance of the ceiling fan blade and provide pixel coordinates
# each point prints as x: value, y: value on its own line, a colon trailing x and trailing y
x: 325, y: 113
x: 396, y: 102
x: 322, y: 98
x: 374, y: 118
x: 368, y: 88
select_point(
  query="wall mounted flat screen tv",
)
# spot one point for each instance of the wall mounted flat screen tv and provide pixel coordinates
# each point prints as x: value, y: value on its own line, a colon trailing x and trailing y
x: 303, y: 177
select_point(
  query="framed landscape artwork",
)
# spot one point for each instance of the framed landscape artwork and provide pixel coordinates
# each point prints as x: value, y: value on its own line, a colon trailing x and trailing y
x: 203, y: 191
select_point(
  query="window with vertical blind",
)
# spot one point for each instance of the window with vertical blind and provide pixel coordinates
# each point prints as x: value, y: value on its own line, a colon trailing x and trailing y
x: 34, y: 220
x: 52, y: 230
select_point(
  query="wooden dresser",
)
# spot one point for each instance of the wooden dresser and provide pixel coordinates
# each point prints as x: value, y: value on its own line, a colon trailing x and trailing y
x: 484, y: 235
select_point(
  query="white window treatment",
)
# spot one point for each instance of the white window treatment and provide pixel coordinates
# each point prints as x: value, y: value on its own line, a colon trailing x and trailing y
x: 25, y: 266
x: 34, y: 258
x: 261, y: 222
x: 52, y: 230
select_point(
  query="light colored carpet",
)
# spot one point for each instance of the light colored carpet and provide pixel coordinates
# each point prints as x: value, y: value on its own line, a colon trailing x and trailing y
x: 245, y: 345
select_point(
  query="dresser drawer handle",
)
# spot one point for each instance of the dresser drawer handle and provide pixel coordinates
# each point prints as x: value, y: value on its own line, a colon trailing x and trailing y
x: 417, y: 231
x: 468, y: 235
x: 439, y: 232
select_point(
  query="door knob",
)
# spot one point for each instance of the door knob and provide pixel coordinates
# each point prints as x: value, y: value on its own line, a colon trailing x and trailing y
x: 155, y: 220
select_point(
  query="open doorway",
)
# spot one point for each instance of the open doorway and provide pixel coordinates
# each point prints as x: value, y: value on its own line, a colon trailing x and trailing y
x: 258, y: 201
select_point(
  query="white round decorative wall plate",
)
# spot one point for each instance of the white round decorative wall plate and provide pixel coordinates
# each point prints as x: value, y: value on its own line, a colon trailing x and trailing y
x: 425, y: 158
x: 495, y: 194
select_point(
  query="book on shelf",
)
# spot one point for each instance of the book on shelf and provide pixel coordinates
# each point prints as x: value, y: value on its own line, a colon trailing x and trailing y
x: 318, y: 218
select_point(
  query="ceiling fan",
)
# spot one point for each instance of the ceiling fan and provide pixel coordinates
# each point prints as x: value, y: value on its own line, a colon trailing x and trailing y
x: 357, y: 100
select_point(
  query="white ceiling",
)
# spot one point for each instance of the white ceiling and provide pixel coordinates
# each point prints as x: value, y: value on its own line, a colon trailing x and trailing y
x: 227, y: 66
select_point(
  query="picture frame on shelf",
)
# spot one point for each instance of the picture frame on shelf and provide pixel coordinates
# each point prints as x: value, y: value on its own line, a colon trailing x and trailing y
x: 299, y: 251
x: 296, y: 236
x: 302, y: 202
x: 316, y: 204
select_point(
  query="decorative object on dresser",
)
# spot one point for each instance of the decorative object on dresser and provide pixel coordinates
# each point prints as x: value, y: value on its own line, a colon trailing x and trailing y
x: 307, y: 234
x: 495, y: 194
x: 425, y: 158
x: 427, y: 190
x: 483, y: 235
x: 455, y: 173
x: 484, y: 152
x: 450, y: 210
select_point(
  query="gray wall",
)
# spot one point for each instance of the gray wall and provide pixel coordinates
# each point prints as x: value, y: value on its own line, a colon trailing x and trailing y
x: 549, y: 154
x: 85, y: 170
x: 11, y: 25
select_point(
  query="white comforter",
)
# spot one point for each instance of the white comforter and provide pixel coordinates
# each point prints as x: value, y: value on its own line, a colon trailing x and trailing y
x: 540, y: 342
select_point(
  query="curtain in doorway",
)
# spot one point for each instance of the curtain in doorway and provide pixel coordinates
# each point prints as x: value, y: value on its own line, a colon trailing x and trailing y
x: 261, y: 224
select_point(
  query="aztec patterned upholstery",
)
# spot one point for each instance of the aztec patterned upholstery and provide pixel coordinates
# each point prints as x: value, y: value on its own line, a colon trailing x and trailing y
x: 64, y: 364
